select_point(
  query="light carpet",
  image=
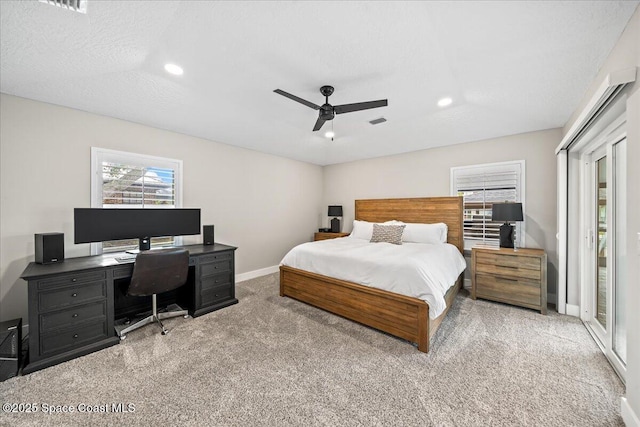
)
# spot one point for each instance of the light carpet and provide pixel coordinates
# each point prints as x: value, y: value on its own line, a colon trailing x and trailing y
x: 273, y: 361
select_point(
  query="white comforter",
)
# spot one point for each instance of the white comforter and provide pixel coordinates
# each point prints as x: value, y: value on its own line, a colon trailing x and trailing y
x: 420, y: 270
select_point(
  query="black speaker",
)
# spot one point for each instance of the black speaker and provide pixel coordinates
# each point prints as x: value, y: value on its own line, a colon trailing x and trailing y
x: 10, y: 348
x: 207, y: 235
x: 49, y: 248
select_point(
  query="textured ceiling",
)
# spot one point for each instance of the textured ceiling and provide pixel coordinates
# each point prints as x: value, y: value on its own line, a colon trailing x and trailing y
x: 510, y: 67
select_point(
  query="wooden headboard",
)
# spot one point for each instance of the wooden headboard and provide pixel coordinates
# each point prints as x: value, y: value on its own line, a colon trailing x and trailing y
x: 426, y: 210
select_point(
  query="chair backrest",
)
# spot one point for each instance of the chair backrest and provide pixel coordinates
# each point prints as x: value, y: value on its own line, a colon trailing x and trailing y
x: 159, y: 270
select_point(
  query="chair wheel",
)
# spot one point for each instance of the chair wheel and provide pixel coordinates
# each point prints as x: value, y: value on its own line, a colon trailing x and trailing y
x: 165, y: 332
x: 186, y: 316
x: 122, y: 337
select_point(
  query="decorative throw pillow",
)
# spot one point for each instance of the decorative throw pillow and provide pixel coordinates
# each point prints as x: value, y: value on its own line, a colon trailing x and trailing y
x: 387, y: 233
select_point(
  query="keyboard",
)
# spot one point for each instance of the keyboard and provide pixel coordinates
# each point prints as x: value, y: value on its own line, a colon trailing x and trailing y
x: 126, y: 257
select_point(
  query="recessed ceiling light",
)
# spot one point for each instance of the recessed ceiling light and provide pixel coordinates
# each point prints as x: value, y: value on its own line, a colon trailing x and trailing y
x: 444, y: 102
x: 329, y: 134
x: 173, y: 69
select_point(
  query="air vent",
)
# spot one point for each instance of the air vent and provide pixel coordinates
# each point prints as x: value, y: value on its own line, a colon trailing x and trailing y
x: 76, y: 5
x: 378, y: 121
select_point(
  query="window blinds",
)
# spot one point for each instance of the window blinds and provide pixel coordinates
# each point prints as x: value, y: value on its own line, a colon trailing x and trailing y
x: 480, y: 187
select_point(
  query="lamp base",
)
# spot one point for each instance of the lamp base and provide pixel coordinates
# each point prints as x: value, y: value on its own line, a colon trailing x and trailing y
x: 506, y: 236
x: 335, y: 225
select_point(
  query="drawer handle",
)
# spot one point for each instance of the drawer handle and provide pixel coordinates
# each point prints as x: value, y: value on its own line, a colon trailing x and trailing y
x: 74, y: 295
x: 75, y: 315
x: 74, y: 280
x: 75, y: 336
x: 508, y: 280
x: 216, y: 295
x: 507, y: 266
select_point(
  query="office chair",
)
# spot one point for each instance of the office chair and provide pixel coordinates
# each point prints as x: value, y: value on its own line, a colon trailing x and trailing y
x: 154, y: 272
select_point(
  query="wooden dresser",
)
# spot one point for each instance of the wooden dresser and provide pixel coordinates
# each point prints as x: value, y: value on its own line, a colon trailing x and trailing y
x: 517, y: 277
x: 328, y: 235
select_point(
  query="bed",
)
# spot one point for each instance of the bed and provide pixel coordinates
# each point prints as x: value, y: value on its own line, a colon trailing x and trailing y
x: 399, y: 315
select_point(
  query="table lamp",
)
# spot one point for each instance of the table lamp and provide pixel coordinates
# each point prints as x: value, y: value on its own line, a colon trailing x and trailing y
x: 506, y: 212
x: 335, y: 211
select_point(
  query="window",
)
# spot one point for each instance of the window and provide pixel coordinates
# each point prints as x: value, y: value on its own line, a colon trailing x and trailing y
x: 481, y: 186
x: 127, y: 180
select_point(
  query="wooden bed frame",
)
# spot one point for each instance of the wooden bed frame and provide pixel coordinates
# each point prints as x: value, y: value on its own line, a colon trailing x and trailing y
x: 398, y: 315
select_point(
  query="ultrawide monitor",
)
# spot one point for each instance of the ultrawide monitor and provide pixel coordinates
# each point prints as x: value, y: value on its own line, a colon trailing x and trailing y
x: 101, y: 225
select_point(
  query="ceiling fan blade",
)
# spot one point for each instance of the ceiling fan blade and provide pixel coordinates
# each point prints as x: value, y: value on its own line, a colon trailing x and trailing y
x: 295, y: 98
x: 319, y: 124
x: 347, y: 108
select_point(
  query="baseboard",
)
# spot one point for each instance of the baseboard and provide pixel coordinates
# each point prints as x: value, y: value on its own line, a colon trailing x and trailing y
x: 629, y: 417
x: 257, y: 273
x: 573, y: 310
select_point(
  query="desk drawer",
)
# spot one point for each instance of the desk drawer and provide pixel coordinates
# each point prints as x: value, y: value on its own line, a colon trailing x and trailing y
x: 520, y: 290
x: 123, y: 271
x: 71, y: 296
x: 72, y: 279
x: 217, y: 257
x: 61, y: 319
x: 217, y: 294
x: 215, y: 281
x: 72, y: 338
x: 211, y: 268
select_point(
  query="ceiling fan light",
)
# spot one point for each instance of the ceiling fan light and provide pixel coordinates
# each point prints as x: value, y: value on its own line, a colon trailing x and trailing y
x: 444, y: 102
x: 174, y: 69
x: 329, y: 134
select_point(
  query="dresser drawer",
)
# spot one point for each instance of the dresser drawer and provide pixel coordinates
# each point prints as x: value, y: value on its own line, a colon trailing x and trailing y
x: 72, y: 338
x: 71, y: 296
x: 521, y: 291
x: 72, y: 279
x: 507, y: 266
x: 83, y: 313
x: 217, y: 294
x: 211, y: 268
x: 215, y: 281
x: 522, y: 262
x: 216, y: 257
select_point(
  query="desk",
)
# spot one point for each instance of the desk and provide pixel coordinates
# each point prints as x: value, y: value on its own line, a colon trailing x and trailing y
x: 73, y: 304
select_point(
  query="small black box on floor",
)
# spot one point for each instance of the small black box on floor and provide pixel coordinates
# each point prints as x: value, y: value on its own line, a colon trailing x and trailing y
x: 10, y: 348
x: 207, y: 235
x: 49, y: 248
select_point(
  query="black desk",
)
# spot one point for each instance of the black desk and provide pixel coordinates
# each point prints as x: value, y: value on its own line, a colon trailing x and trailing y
x: 73, y: 304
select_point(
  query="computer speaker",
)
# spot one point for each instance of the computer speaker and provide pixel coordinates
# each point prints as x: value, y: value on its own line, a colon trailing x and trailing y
x: 207, y: 235
x: 49, y: 248
x: 10, y: 348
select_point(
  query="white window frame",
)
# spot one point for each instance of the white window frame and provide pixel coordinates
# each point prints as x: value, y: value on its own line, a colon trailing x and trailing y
x: 100, y: 155
x: 520, y: 191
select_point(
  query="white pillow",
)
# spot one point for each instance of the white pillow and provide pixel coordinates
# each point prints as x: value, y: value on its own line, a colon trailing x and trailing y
x: 362, y: 230
x: 413, y: 233
x: 425, y: 233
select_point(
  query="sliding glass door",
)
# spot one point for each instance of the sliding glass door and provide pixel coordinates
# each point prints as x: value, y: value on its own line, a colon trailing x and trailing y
x: 604, y: 252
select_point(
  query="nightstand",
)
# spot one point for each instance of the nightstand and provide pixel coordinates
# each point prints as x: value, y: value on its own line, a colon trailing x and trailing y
x: 325, y: 235
x: 517, y: 277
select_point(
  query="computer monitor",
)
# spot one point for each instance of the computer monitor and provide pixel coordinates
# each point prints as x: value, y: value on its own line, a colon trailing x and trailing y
x: 104, y: 224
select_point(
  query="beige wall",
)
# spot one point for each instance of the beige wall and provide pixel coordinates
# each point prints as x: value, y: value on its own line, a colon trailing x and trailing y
x: 426, y: 173
x: 626, y: 54
x: 261, y: 203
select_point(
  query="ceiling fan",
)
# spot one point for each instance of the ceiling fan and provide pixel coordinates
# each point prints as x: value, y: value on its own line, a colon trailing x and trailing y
x: 327, y: 111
